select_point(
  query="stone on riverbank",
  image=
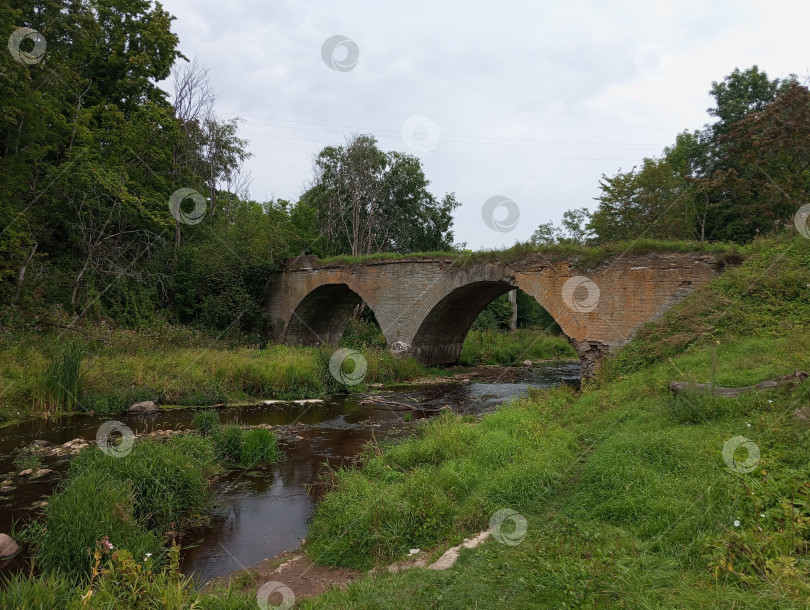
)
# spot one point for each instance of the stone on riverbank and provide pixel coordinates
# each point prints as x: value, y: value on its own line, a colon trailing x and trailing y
x: 147, y: 406
x: 8, y: 548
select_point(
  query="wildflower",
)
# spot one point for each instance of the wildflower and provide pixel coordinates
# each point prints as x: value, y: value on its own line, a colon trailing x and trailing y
x: 106, y: 543
x: 736, y: 523
x: 146, y: 558
x: 762, y: 515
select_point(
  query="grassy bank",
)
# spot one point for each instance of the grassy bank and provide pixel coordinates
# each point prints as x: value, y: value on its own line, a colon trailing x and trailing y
x: 624, y: 488
x: 169, y: 365
x: 102, y: 369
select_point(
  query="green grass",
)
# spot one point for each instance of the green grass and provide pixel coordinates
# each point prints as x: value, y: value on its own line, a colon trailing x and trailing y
x: 587, y: 256
x: 628, y: 499
x: 122, y: 367
x: 24, y: 459
x: 205, y: 421
x: 134, y: 500
x: 59, y: 387
x: 124, y: 580
x: 137, y: 503
x: 245, y: 448
x: 259, y: 446
x: 505, y: 348
x: 445, y: 483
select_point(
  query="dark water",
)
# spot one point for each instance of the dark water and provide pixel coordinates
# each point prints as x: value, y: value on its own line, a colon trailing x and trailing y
x: 265, y: 512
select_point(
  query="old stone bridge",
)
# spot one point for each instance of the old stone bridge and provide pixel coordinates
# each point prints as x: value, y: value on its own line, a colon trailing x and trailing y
x: 425, y: 306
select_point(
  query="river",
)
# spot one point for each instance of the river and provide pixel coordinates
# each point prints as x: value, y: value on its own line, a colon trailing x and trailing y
x: 264, y: 512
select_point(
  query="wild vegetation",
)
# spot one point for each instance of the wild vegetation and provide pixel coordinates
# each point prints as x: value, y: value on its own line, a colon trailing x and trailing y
x: 170, y: 365
x: 102, y: 540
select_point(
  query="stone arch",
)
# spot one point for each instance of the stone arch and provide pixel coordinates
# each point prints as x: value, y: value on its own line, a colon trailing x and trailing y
x: 443, y: 330
x: 321, y: 316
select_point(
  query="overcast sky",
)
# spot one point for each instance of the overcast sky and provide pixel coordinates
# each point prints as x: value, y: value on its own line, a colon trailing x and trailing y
x: 531, y: 101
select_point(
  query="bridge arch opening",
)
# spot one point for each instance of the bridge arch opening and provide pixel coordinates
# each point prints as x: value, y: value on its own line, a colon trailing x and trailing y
x: 321, y: 316
x: 442, y: 333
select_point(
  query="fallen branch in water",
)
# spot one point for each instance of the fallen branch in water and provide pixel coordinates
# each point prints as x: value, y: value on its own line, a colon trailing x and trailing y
x: 679, y: 387
x: 399, y: 406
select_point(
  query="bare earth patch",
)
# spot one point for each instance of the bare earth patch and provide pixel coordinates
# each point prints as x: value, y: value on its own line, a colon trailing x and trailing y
x: 305, y: 579
x: 292, y: 568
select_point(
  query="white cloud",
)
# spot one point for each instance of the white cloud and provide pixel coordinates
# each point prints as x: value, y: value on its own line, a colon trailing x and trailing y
x: 532, y: 102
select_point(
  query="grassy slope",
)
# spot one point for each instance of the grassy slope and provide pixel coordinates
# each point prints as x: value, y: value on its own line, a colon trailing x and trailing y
x: 629, y: 502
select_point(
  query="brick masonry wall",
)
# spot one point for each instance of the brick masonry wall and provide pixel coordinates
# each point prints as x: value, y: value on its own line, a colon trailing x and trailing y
x: 425, y: 307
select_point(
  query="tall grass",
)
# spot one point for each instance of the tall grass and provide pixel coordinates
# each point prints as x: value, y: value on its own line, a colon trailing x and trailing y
x: 497, y: 347
x: 205, y: 421
x: 245, y: 448
x: 90, y: 506
x: 134, y: 500
x: 112, y: 377
x: 60, y: 384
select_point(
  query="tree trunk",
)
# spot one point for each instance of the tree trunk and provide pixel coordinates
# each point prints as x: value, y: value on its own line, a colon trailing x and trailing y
x: 77, y: 283
x: 21, y: 274
x: 514, y: 315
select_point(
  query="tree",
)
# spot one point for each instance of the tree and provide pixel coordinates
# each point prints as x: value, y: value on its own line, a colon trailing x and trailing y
x: 742, y: 92
x: 367, y: 200
x: 768, y: 168
x: 652, y: 202
x: 573, y: 229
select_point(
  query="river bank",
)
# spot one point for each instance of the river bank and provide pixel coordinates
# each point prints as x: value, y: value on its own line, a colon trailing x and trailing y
x: 52, y: 367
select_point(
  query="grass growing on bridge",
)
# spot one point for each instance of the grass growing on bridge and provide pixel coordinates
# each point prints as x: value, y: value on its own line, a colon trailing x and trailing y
x: 587, y: 256
x: 632, y: 504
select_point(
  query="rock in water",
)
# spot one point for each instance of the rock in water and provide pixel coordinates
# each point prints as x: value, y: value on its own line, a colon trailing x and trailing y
x: 8, y: 548
x: 147, y: 406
